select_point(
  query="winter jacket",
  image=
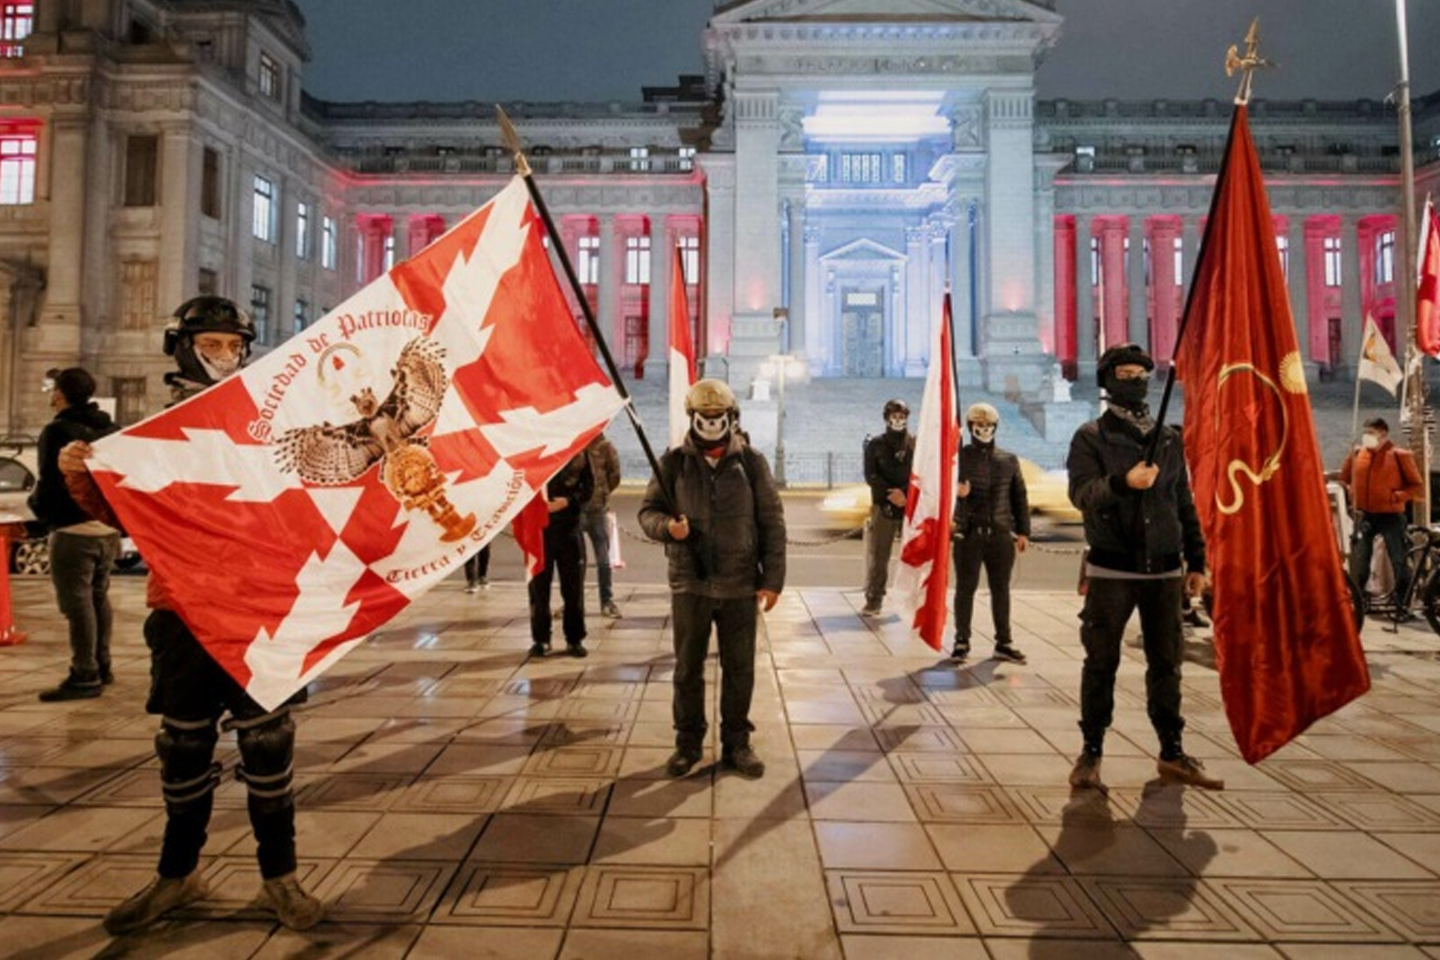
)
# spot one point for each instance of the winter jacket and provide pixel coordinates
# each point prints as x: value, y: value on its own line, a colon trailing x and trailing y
x: 997, y: 500
x: 737, y: 523
x: 576, y: 484
x: 605, y: 468
x: 1382, y: 480
x: 1136, y: 531
x: 887, y: 467
x: 51, y: 501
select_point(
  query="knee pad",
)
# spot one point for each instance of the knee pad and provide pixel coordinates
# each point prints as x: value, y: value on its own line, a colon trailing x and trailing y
x: 267, y: 749
x: 188, y: 771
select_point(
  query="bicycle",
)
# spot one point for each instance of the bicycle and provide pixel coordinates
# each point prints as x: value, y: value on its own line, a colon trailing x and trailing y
x: 1422, y: 559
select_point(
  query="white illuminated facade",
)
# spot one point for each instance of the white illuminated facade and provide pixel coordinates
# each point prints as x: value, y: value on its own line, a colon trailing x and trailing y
x: 839, y: 163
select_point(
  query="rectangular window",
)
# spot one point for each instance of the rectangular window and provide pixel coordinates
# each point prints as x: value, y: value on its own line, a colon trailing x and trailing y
x: 860, y: 168
x: 637, y: 260
x: 690, y: 259
x: 589, y: 265
x: 897, y: 168
x: 302, y: 316
x: 328, y: 247
x: 1179, y: 262
x: 263, y: 225
x: 139, y: 282
x: 1145, y: 259
x: 129, y: 399
x: 389, y: 252
x: 687, y: 158
x: 1094, y: 261
x: 1332, y: 261
x: 302, y: 230
x: 640, y: 159
x: 1385, y: 257
x: 260, y: 312
x: 210, y: 184
x: 142, y: 156
x: 17, y: 168
x: 17, y: 20
x: 269, y: 77
x: 1282, y: 246
x: 207, y: 283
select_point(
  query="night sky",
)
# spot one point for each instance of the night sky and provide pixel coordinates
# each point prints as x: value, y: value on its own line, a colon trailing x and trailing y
x: 592, y: 50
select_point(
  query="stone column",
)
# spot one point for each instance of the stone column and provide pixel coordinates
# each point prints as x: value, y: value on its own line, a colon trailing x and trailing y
x: 1138, y: 306
x: 1112, y: 282
x: 1351, y: 322
x: 917, y: 297
x: 282, y: 310
x: 1190, y: 251
x: 1297, y: 280
x: 798, y: 279
x: 607, y: 309
x: 961, y: 281
x: 1045, y: 312
x: 417, y: 234
x: 719, y: 251
x: 757, y: 254
x: 57, y: 335
x: 1066, y: 288
x: 657, y: 322
x: 1084, y: 299
x: 935, y: 264
x: 1163, y: 231
x: 815, y: 316
x: 1319, y: 321
x: 179, y: 230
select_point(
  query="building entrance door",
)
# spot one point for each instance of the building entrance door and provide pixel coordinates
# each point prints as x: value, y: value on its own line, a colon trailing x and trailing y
x: 862, y: 331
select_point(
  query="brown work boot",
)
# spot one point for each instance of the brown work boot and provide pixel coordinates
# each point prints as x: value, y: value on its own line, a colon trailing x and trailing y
x: 160, y: 896
x: 1085, y: 775
x: 744, y: 761
x: 294, y: 907
x: 1186, y: 769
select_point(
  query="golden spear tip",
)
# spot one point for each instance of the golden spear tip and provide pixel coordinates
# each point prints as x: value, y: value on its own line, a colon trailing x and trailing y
x: 512, y: 141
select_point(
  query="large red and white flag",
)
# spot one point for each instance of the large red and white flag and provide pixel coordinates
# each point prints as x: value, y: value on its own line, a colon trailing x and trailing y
x: 1427, y: 294
x: 1285, y: 643
x: 923, y: 574
x: 529, y: 529
x: 298, y: 505
x: 682, y: 352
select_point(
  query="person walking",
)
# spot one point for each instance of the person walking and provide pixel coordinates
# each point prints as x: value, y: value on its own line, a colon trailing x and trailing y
x: 595, y: 518
x: 1381, y: 480
x: 992, y: 525
x: 566, y: 495
x: 82, y: 549
x: 209, y: 339
x: 724, y: 536
x: 887, y: 470
x: 1140, y: 527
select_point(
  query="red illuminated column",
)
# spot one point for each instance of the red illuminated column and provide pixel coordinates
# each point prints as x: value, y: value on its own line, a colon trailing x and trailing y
x: 1165, y: 319
x: 1112, y: 281
x: 1065, y: 295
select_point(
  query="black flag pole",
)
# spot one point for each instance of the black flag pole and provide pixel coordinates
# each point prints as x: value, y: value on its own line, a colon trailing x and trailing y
x: 1233, y: 61
x: 522, y: 167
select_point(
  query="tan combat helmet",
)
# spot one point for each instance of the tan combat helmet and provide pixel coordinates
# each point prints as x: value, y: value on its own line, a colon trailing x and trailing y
x: 982, y: 413
x: 710, y: 398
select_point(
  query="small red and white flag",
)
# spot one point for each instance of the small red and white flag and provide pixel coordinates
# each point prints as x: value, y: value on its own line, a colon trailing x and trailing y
x: 682, y: 352
x: 297, y: 506
x: 1427, y: 294
x: 923, y: 574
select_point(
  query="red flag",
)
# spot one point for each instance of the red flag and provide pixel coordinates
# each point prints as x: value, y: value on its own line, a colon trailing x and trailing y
x: 682, y: 352
x: 922, y: 578
x: 529, y: 528
x: 1427, y: 294
x: 301, y: 503
x: 1285, y: 643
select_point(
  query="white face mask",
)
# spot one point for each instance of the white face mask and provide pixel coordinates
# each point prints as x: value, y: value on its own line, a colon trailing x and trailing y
x: 898, y: 422
x: 983, y: 432
x: 710, y: 428
x: 1369, y: 441
x: 220, y: 368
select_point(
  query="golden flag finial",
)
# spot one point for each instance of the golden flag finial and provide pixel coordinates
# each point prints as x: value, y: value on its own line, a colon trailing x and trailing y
x: 512, y: 141
x: 1249, y: 63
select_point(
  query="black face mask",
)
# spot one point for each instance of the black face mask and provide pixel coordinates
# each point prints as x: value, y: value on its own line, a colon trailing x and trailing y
x: 1130, y: 394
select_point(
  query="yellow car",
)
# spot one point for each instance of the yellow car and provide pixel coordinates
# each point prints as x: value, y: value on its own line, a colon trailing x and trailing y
x: 1048, y: 490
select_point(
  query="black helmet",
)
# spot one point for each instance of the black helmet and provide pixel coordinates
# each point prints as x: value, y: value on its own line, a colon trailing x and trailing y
x: 207, y: 314
x: 1118, y: 356
x: 896, y: 406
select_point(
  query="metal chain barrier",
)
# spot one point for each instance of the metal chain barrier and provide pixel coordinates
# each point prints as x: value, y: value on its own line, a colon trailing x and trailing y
x: 854, y: 534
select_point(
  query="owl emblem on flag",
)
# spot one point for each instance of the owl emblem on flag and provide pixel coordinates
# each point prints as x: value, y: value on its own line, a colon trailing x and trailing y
x: 387, y: 433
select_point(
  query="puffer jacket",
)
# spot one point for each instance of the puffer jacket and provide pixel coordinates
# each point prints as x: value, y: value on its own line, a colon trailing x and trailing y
x: 51, y: 502
x: 888, y: 459
x: 998, y: 500
x: 737, y: 523
x: 1136, y: 531
x: 1382, y: 480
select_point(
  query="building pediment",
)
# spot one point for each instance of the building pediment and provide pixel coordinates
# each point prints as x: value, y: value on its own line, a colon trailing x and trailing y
x: 864, y: 250
x: 870, y: 11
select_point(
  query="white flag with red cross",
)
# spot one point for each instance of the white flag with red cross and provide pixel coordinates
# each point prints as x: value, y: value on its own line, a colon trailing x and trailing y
x: 297, y: 506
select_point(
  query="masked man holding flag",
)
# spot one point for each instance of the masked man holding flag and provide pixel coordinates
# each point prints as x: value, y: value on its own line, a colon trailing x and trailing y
x: 1140, y: 527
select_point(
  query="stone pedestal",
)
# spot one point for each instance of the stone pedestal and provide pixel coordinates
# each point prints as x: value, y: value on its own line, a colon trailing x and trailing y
x: 753, y: 338
x: 1014, y: 363
x: 1057, y: 420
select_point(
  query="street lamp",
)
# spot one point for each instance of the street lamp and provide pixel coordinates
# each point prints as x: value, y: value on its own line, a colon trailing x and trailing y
x: 781, y: 366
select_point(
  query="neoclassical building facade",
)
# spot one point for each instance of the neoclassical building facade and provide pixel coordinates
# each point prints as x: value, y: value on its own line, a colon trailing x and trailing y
x: 838, y: 165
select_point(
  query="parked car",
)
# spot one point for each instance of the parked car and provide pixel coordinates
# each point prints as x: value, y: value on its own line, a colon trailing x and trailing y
x: 1048, y: 490
x: 31, y: 555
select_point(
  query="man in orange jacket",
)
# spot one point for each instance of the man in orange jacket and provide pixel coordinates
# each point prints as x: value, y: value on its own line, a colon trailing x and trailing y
x: 1381, y: 479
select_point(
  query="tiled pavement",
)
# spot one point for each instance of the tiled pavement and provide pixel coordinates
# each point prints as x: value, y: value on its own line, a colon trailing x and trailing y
x: 459, y: 800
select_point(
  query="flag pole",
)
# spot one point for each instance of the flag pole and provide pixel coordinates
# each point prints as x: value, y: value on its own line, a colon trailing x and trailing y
x: 1405, y: 287
x: 1247, y: 64
x: 522, y: 167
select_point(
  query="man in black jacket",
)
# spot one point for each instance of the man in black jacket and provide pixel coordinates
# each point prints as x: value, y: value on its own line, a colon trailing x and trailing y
x: 992, y: 524
x: 1140, y: 524
x: 567, y: 493
x: 82, y: 549
x: 887, y: 470
x: 724, y: 535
